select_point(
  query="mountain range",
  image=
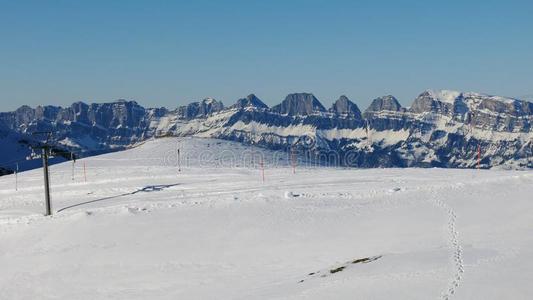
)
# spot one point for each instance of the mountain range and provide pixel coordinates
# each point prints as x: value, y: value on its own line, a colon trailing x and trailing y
x: 440, y: 129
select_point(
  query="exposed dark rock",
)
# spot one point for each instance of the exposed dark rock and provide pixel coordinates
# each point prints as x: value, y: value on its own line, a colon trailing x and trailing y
x: 440, y: 129
x: 299, y: 104
x: 250, y: 101
x: 384, y: 103
x: 428, y: 101
x: 200, y: 109
x: 344, y: 107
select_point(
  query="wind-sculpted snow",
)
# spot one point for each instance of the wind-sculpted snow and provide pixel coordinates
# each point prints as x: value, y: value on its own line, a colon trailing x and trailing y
x: 143, y: 226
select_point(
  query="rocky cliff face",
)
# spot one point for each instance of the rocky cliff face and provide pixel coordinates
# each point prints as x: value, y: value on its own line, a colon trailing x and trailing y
x: 440, y: 128
x: 299, y: 104
x: 250, y: 101
x: 94, y: 127
x: 200, y: 109
x: 384, y: 103
x: 386, y: 113
x: 441, y: 102
x: 344, y: 107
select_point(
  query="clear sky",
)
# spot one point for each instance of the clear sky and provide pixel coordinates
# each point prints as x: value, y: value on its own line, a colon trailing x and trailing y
x: 168, y: 53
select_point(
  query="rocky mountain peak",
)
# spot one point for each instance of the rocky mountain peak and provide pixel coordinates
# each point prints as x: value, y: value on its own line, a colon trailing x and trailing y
x: 250, y: 101
x: 446, y: 96
x: 441, y: 101
x: 200, y: 109
x: 101, y: 127
x: 210, y: 105
x: 299, y: 104
x: 384, y: 103
x: 344, y: 107
x: 482, y: 103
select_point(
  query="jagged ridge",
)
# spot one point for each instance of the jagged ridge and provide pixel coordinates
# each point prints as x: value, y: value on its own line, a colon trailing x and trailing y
x: 440, y: 128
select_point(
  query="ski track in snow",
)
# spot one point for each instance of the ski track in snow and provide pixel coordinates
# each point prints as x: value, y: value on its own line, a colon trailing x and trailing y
x: 457, y: 251
x: 433, y: 199
x: 378, y: 194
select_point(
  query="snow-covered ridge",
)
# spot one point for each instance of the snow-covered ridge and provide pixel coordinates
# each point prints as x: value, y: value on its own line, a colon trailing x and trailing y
x: 447, y: 96
x: 441, y: 128
x: 507, y: 100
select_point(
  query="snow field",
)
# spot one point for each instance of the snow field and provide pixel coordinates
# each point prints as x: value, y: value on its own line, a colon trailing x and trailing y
x: 141, y: 229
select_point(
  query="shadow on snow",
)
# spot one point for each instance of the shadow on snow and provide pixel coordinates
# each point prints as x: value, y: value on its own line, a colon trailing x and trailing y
x: 146, y: 189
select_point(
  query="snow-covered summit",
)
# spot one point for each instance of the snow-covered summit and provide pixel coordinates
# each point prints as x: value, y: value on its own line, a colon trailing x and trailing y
x: 447, y: 96
x: 507, y: 100
x: 209, y: 100
x: 449, y: 124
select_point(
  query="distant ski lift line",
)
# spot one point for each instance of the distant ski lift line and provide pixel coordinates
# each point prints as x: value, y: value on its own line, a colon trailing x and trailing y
x: 46, y: 153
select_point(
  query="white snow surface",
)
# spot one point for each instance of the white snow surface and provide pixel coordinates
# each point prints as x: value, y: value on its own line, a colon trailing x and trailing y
x: 507, y: 100
x: 447, y: 96
x: 140, y: 229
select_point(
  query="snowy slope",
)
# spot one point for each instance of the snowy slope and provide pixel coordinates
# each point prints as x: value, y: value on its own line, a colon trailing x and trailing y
x: 139, y: 229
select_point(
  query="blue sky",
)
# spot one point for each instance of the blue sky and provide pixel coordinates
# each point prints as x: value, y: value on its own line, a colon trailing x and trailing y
x: 168, y: 53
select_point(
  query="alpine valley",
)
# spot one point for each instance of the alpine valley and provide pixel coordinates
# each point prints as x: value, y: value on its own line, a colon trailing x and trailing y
x: 443, y: 128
